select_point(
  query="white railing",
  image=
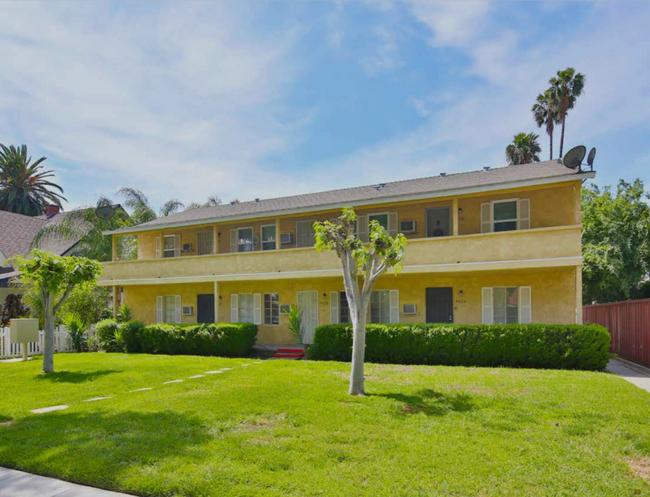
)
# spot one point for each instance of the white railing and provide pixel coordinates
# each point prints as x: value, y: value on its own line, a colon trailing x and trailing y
x: 9, y: 349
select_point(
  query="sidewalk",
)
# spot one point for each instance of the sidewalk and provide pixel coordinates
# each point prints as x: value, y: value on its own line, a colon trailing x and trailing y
x: 635, y: 374
x: 19, y: 484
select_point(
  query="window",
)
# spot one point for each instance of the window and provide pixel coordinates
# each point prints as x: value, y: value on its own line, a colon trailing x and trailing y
x: 168, y: 308
x: 246, y: 308
x: 382, y: 219
x: 271, y: 308
x: 305, y: 235
x: 505, y: 305
x: 268, y: 237
x: 245, y: 240
x: 205, y: 242
x: 169, y: 248
x: 380, y: 306
x: 344, y: 308
x: 505, y: 215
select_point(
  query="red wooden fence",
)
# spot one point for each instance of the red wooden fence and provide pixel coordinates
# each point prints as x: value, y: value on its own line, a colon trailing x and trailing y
x: 629, y: 324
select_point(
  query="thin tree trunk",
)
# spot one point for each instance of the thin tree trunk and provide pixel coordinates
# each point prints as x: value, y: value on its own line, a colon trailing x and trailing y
x: 358, y: 352
x: 562, y: 137
x: 48, y: 336
x: 551, y: 141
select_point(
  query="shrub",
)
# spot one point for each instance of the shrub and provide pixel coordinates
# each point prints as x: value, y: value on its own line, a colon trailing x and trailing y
x: 76, y: 329
x: 129, y: 336
x: 513, y: 345
x: 221, y: 339
x: 106, y: 334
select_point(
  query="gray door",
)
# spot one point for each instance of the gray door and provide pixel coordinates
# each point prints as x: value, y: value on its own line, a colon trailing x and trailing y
x: 438, y: 221
x: 205, y: 308
x: 440, y: 305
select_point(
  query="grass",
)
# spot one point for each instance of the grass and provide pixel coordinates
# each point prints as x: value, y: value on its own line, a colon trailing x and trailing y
x: 289, y: 428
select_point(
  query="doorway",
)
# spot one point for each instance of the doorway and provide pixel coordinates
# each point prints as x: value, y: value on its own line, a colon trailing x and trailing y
x: 440, y: 305
x: 205, y: 308
x: 438, y: 221
x: 308, y: 304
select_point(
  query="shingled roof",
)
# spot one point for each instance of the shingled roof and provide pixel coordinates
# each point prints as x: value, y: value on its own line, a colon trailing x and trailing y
x: 435, y: 186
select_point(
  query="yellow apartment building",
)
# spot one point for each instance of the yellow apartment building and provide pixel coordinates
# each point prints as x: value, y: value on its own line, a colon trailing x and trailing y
x: 498, y: 245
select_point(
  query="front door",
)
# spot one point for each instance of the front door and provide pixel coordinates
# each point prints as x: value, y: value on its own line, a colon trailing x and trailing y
x: 308, y: 304
x: 438, y: 221
x: 440, y: 305
x: 205, y: 308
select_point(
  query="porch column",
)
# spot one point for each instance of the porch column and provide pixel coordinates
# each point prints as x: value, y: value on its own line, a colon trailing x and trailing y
x: 277, y: 233
x: 455, y: 217
x: 114, y: 302
x: 114, y: 256
x: 578, y: 272
x: 215, y: 239
x: 216, y: 302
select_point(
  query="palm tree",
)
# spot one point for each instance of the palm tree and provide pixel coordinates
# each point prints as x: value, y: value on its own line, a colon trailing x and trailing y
x: 546, y: 113
x: 523, y: 149
x: 569, y: 85
x: 213, y: 201
x: 24, y: 187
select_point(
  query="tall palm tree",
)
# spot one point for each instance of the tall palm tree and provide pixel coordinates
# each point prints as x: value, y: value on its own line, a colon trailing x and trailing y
x: 24, y: 187
x: 546, y: 113
x: 569, y: 85
x: 523, y: 149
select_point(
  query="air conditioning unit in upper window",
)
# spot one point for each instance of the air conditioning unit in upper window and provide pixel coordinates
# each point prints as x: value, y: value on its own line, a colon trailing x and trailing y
x: 409, y: 309
x: 286, y: 238
x: 188, y: 310
x: 407, y: 226
x: 187, y: 247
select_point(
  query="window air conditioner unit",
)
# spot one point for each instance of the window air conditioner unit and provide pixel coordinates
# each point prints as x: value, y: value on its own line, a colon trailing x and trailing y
x: 187, y: 247
x: 407, y: 226
x: 188, y: 310
x: 286, y: 238
x: 409, y: 309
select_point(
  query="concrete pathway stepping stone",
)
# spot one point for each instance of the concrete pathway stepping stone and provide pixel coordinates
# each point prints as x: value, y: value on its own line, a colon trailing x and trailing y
x: 19, y: 484
x: 226, y: 369
x: 213, y: 372
x: 173, y: 381
x: 245, y: 365
x: 95, y: 399
x: 43, y: 410
x: 142, y: 389
x: 197, y: 376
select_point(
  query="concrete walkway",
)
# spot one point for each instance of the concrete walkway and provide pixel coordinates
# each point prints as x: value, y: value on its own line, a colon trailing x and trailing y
x: 19, y: 484
x: 634, y: 373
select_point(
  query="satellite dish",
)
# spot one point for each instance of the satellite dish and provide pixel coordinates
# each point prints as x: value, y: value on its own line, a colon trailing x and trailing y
x: 105, y: 212
x: 573, y: 158
x: 591, y: 157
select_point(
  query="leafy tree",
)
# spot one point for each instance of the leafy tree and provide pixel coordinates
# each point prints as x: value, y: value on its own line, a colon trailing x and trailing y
x: 546, y: 114
x: 24, y: 186
x: 213, y: 201
x: 359, y: 260
x: 55, y: 277
x: 568, y: 86
x: 523, y: 149
x: 615, y: 242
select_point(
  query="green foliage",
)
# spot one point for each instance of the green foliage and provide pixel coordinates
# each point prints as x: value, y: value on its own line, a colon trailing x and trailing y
x: 24, y: 188
x: 106, y: 331
x: 546, y: 113
x: 567, y: 86
x: 294, y: 316
x: 76, y: 327
x: 221, y: 339
x: 615, y: 242
x: 125, y: 313
x: 90, y: 302
x: 514, y: 345
x: 128, y: 336
x: 524, y: 149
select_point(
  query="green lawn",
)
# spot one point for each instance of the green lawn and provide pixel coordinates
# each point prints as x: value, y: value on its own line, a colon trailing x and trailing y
x: 289, y: 428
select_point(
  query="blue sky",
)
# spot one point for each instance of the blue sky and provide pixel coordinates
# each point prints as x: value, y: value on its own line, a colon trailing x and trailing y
x: 245, y: 100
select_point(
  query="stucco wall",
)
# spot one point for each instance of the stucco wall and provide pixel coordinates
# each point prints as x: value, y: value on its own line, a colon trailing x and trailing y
x: 554, y: 296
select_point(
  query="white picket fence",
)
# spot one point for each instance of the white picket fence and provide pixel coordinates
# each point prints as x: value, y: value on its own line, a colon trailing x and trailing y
x: 9, y: 349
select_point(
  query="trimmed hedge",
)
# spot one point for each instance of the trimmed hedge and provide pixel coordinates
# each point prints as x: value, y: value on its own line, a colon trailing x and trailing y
x: 106, y: 334
x: 512, y: 345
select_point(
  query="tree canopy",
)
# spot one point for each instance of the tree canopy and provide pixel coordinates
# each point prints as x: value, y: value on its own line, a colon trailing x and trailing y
x: 524, y: 149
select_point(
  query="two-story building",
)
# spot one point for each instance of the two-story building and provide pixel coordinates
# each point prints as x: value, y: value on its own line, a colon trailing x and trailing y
x: 492, y: 246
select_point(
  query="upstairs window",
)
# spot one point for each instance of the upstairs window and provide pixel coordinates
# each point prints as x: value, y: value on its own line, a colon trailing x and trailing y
x: 504, y: 215
x: 268, y: 237
x: 205, y: 243
x: 245, y: 240
x: 305, y: 234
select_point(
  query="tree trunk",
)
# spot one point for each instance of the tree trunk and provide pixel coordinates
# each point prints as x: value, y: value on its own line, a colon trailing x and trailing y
x: 48, y: 338
x: 562, y: 137
x: 551, y: 148
x: 358, y: 352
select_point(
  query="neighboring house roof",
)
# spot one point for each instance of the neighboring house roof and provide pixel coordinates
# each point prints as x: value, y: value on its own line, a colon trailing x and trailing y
x: 17, y: 232
x: 458, y: 183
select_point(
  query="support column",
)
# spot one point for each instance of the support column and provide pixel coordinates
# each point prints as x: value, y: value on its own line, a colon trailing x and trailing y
x: 578, y: 271
x: 455, y: 217
x: 114, y: 256
x: 216, y: 302
x: 277, y: 233
x: 215, y: 239
x: 114, y: 302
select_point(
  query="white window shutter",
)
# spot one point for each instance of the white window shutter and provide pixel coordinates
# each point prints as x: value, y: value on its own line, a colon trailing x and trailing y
x: 486, y: 217
x: 234, y: 241
x: 234, y: 308
x: 158, y: 247
x: 523, y: 213
x: 486, y: 294
x: 160, y: 316
x: 257, y: 308
x: 334, y: 308
x: 177, y: 308
x: 177, y: 245
x: 525, y: 305
x: 392, y: 224
x: 362, y: 228
x: 394, y: 306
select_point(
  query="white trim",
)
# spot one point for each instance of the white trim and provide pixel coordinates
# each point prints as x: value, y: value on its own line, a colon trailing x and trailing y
x: 335, y: 317
x: 393, y: 299
x: 234, y: 307
x: 515, y: 219
x: 525, y: 304
x: 487, y: 305
x: 523, y: 222
x: 375, y: 201
x: 257, y: 308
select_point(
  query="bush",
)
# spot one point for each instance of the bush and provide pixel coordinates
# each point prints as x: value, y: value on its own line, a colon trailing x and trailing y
x: 221, y: 339
x: 513, y: 345
x: 106, y: 334
x: 129, y: 335
x: 76, y: 331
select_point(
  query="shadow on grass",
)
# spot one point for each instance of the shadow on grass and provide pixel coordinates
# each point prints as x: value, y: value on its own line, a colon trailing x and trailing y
x: 102, y: 449
x: 74, y: 376
x: 432, y: 403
